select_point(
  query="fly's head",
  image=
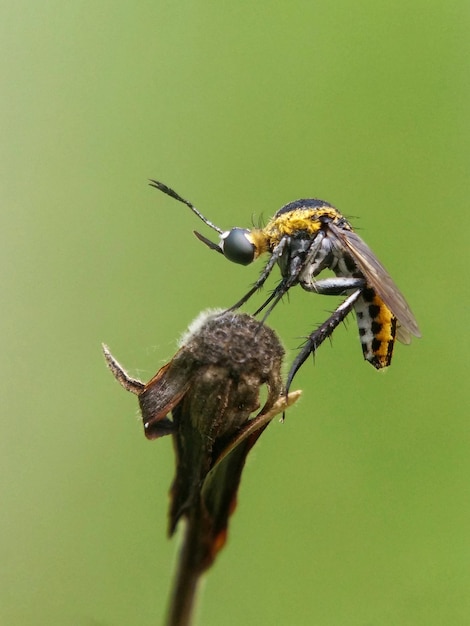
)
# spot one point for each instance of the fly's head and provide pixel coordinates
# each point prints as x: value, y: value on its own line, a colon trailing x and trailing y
x: 238, y: 245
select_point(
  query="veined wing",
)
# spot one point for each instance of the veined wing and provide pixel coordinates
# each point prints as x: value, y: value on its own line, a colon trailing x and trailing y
x: 380, y: 280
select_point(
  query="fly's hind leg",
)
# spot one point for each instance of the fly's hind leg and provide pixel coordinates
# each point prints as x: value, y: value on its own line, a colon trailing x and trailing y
x: 325, y: 330
x: 337, y: 286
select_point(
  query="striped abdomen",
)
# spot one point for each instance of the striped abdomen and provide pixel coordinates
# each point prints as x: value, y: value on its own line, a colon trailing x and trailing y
x: 377, y: 328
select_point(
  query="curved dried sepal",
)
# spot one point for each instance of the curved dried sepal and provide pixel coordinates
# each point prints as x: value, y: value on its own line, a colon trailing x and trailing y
x: 258, y: 423
x: 131, y: 384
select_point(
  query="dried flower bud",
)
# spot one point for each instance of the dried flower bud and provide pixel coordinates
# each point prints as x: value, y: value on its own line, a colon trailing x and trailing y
x: 211, y: 387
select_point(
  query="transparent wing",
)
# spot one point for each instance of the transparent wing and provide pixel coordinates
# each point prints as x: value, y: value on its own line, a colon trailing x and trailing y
x: 380, y: 280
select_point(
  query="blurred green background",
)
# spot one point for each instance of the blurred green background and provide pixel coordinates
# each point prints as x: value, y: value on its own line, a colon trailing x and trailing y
x: 356, y: 510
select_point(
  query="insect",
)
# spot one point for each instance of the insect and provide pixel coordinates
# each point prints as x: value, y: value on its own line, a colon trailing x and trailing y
x: 304, y: 238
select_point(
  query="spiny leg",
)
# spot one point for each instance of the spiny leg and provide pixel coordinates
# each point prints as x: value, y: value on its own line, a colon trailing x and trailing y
x: 279, y: 292
x: 326, y: 287
x: 279, y: 289
x: 297, y: 265
x: 319, y: 335
x: 277, y: 252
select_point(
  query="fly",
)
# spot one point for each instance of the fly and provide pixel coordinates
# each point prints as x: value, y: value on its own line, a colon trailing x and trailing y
x: 304, y: 238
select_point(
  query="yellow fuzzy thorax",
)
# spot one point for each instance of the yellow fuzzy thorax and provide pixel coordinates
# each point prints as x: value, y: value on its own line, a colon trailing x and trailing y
x: 301, y: 220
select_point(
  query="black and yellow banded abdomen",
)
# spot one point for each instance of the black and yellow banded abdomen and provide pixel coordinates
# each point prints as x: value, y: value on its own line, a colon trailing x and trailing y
x: 377, y: 328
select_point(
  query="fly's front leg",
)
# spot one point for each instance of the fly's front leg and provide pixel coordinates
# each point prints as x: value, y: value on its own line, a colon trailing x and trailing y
x: 275, y: 256
x: 337, y: 286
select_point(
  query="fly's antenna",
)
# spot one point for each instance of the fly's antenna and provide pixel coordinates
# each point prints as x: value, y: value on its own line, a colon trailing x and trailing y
x: 172, y: 193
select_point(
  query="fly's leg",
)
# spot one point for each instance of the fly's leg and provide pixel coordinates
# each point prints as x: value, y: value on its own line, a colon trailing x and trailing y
x: 277, y: 252
x: 337, y: 286
x: 325, y: 330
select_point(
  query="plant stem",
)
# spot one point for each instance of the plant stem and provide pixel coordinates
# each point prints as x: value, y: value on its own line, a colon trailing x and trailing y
x: 186, y: 581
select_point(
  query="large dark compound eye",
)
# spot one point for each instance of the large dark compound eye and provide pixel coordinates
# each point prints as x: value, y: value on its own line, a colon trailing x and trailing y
x: 237, y: 247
